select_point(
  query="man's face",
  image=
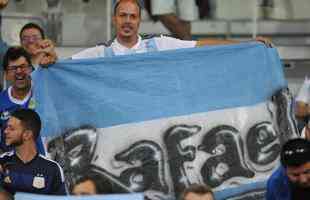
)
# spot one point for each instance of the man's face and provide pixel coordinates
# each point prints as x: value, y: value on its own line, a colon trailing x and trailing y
x: 84, y: 188
x: 127, y: 20
x: 30, y: 39
x: 300, y: 175
x: 194, y: 196
x: 18, y: 71
x: 14, y: 132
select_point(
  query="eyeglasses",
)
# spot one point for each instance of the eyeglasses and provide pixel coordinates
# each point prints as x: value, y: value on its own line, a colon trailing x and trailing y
x: 31, y: 38
x: 22, y: 67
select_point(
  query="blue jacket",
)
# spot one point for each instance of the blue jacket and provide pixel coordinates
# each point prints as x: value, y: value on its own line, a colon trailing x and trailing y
x: 278, y: 186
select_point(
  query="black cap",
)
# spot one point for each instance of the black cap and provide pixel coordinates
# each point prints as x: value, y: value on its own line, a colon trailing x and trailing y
x: 295, y: 152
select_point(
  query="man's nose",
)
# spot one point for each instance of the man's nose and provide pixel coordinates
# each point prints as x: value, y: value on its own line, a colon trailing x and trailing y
x: 127, y: 18
x: 18, y: 69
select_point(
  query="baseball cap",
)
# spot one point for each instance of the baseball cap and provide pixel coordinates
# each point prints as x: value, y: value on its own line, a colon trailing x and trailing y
x: 295, y: 152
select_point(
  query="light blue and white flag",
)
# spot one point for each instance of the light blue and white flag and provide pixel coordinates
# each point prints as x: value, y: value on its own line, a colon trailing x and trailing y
x: 160, y: 121
x: 28, y: 196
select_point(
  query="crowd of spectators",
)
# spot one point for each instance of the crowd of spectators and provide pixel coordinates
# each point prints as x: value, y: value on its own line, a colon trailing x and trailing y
x: 20, y: 125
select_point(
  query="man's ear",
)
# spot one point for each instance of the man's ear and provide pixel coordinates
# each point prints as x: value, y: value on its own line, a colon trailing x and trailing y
x: 28, y: 135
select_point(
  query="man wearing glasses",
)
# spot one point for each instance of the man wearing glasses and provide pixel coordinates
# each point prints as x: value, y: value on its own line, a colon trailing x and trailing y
x: 17, y: 65
x: 292, y: 180
x: 40, y: 49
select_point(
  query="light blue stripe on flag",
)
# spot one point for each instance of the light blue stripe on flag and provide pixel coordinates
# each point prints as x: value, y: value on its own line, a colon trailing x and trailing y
x: 124, y: 89
x: 25, y: 196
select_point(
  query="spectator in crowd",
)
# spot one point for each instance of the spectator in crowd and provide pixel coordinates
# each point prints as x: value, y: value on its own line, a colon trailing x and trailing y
x: 176, y: 15
x: 303, y: 105
x: 17, y: 64
x: 24, y: 169
x: 91, y: 184
x: 126, y: 18
x: 197, y: 192
x: 3, y: 45
x: 292, y: 179
x: 4, y: 195
x: 41, y: 50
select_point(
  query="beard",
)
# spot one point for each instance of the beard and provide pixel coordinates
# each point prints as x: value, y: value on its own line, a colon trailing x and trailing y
x: 15, y: 143
x: 297, y: 185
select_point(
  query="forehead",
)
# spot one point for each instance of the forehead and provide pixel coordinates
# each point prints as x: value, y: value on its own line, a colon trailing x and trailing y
x: 194, y: 196
x: 20, y: 61
x: 31, y: 31
x: 85, y: 187
x: 128, y: 7
x: 13, y: 121
x: 299, y: 169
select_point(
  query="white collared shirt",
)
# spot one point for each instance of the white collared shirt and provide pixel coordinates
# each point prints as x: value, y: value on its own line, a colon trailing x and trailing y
x: 162, y: 43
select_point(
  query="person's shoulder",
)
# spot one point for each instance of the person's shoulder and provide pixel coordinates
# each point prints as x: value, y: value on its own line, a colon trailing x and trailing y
x: 6, y: 156
x: 277, y: 176
x: 92, y: 52
x: 4, y: 93
x: 4, y: 98
x: 165, y: 37
x: 49, y: 162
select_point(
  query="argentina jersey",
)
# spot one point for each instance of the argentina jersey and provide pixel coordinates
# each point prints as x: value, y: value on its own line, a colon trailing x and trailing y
x: 39, y: 175
x: 8, y: 105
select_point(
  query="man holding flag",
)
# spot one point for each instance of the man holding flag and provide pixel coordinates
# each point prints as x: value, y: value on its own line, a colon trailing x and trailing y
x: 126, y: 19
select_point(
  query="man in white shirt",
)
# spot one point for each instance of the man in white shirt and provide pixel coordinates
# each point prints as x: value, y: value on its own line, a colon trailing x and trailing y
x: 303, y: 105
x: 126, y: 19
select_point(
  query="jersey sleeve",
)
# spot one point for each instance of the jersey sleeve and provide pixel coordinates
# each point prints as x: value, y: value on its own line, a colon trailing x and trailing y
x: 94, y: 52
x: 170, y: 43
x: 58, y: 185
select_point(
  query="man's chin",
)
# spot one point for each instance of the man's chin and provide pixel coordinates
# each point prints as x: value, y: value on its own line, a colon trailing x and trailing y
x: 8, y: 143
x: 127, y: 34
x: 303, y: 186
x: 21, y: 85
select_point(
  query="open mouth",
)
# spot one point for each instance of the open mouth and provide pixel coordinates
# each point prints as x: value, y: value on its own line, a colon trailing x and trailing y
x: 20, y: 79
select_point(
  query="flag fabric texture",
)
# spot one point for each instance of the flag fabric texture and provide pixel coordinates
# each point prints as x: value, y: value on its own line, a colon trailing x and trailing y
x: 158, y: 122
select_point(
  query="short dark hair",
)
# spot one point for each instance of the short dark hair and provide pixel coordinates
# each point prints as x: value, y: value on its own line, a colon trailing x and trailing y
x: 102, y: 185
x: 14, y: 53
x: 29, y: 26
x: 196, y: 189
x: 138, y: 2
x: 295, y: 152
x: 29, y: 119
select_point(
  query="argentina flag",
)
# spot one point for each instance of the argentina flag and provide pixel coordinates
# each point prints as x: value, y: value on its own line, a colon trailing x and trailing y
x: 158, y: 122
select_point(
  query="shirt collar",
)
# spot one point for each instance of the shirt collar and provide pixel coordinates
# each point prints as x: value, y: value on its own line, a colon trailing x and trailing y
x: 18, y: 101
x: 121, y: 48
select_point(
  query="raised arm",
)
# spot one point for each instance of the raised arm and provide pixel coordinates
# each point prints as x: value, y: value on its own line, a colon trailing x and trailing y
x: 210, y: 41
